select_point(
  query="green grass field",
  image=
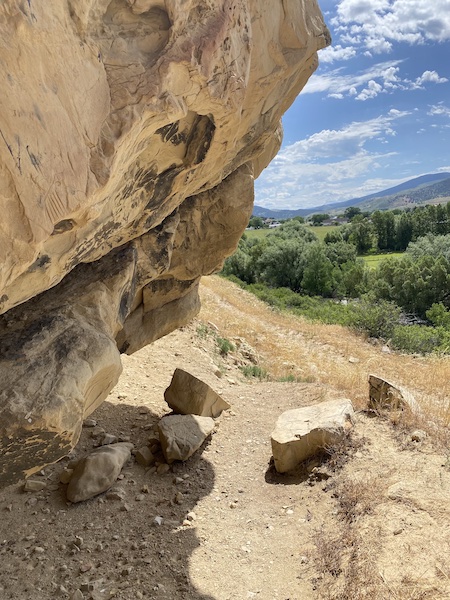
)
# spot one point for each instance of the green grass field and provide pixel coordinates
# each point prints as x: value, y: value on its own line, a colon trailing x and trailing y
x: 373, y: 260
x: 320, y: 232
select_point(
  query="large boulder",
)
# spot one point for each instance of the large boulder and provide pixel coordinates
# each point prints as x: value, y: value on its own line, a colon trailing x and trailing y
x: 191, y: 396
x: 303, y: 432
x: 182, y: 435
x: 130, y: 135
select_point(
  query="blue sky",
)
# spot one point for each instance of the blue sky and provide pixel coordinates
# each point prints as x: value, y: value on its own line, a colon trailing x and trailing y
x: 375, y: 113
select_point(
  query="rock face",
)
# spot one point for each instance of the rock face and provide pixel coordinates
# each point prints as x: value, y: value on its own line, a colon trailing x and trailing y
x: 190, y: 396
x: 303, y: 432
x: 130, y: 135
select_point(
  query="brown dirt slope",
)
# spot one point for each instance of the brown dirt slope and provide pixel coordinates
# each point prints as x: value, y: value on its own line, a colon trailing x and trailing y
x: 370, y: 520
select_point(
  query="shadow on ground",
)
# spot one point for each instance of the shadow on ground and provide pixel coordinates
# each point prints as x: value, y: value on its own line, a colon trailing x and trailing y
x: 106, y: 548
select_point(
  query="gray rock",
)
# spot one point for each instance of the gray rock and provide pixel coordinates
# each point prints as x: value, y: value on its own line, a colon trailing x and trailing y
x: 182, y: 435
x: 188, y: 395
x: 65, y: 475
x: 303, y: 432
x: 97, y: 472
x: 108, y: 439
x: 144, y: 456
x: 34, y: 485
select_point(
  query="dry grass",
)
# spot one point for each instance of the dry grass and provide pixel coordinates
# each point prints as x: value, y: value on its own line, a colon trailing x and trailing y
x: 290, y: 346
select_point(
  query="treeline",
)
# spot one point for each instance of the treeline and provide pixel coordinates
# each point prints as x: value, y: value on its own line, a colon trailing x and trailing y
x: 292, y: 258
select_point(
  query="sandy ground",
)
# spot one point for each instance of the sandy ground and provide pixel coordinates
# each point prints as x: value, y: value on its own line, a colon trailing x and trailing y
x: 372, y: 521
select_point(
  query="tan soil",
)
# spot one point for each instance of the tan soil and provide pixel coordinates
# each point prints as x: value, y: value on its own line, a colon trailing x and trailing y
x: 373, y: 522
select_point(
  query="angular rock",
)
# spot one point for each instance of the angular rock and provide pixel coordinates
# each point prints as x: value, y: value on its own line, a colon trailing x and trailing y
x: 303, y: 432
x: 144, y: 456
x: 34, y: 485
x: 384, y: 395
x: 125, y: 176
x: 188, y: 395
x: 98, y: 471
x: 182, y: 435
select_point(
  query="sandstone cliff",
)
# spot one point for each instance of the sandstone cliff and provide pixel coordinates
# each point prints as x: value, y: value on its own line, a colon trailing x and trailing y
x: 130, y: 135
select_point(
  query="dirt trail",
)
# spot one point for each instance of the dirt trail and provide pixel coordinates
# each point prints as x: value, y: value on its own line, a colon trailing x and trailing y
x: 374, y: 523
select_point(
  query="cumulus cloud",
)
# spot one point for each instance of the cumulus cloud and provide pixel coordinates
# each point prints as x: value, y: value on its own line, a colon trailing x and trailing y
x: 380, y: 78
x: 430, y: 77
x: 338, y: 82
x: 333, y: 53
x: 378, y: 23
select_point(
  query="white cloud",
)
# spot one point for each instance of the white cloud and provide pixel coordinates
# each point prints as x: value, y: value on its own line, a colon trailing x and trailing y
x: 336, y: 82
x: 333, y: 53
x: 378, y: 23
x: 439, y: 110
x: 379, y: 78
x: 430, y: 77
x: 371, y: 91
x: 328, y: 166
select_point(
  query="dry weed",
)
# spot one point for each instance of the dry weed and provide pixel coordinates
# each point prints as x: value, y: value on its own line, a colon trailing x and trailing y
x: 292, y: 348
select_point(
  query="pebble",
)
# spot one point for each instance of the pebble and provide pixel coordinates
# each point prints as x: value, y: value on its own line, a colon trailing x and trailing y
x: 116, y: 493
x: 33, y: 485
x: 191, y: 516
x: 89, y: 423
x: 140, y: 497
x: 163, y: 468
x: 39, y: 550
x: 77, y: 595
x: 418, y: 435
x: 108, y: 438
x: 158, y: 520
x: 65, y: 475
x: 398, y: 531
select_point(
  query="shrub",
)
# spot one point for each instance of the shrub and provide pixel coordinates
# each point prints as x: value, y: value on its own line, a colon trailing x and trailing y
x: 225, y: 346
x: 376, y: 318
x: 417, y: 339
x: 254, y: 371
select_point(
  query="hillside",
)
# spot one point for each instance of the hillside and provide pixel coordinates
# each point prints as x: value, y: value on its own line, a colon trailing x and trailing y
x: 371, y: 523
x: 425, y: 189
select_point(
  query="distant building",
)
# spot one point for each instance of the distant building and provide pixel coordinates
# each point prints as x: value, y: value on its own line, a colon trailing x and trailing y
x: 335, y: 221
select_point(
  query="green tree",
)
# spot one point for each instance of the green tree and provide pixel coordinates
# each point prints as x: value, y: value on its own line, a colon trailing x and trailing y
x: 319, y: 218
x: 256, y: 223
x: 351, y: 211
x: 361, y: 235
x: 317, y: 275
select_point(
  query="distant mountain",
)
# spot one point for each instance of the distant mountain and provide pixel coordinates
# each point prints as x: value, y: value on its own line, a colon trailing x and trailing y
x: 417, y: 191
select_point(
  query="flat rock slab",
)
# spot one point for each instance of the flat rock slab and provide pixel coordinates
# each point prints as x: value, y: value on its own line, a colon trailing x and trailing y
x: 182, y: 435
x: 384, y: 395
x: 303, y: 432
x: 98, y: 471
x: 188, y: 395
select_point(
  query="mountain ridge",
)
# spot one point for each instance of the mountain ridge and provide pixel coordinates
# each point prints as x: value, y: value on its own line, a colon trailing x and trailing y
x: 414, y: 192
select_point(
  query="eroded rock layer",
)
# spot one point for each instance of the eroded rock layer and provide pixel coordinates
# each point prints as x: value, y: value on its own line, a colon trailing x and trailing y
x: 130, y: 134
